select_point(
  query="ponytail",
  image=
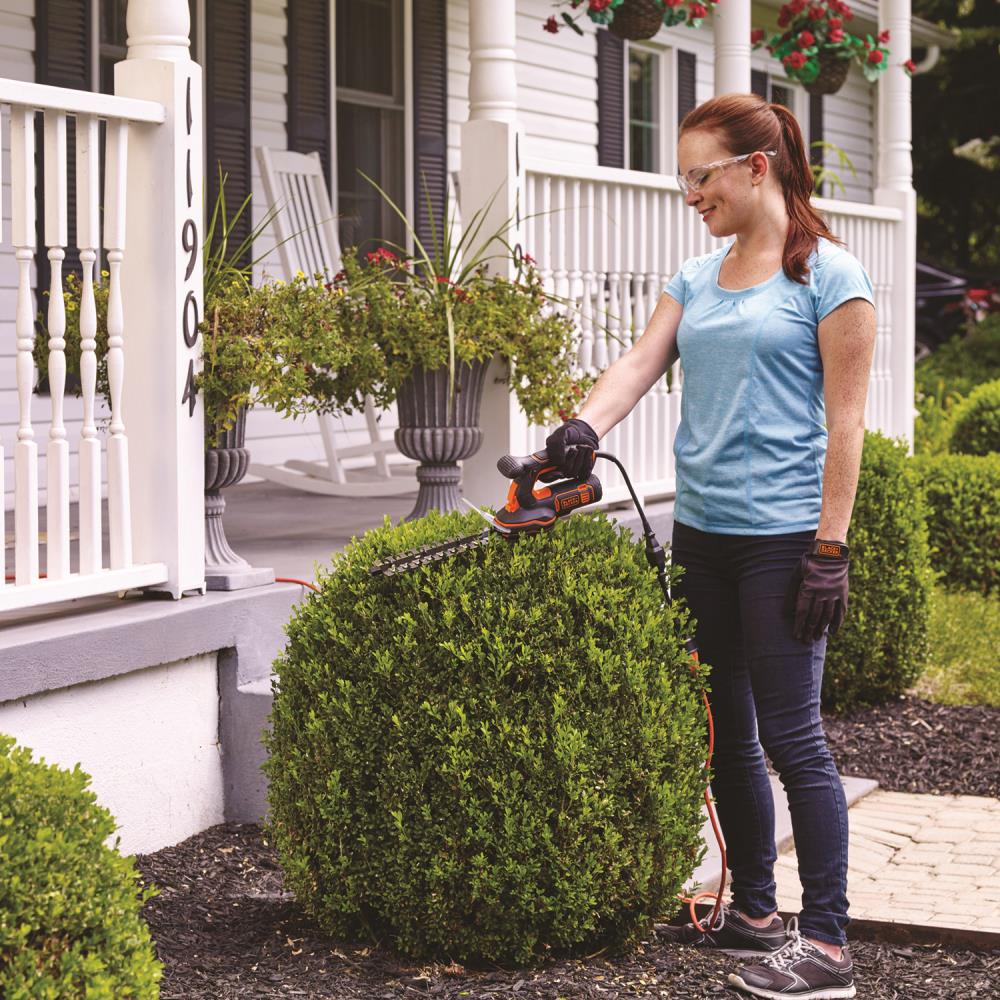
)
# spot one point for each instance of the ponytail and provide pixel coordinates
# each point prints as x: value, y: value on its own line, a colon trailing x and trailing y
x: 748, y: 123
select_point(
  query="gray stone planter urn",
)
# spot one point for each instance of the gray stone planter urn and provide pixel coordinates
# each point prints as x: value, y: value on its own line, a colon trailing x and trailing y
x: 437, y: 438
x: 225, y: 465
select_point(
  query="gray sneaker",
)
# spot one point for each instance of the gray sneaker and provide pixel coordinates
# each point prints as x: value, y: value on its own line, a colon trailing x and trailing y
x: 800, y: 969
x: 733, y: 935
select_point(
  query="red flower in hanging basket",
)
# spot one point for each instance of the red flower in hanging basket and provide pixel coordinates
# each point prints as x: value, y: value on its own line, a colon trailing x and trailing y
x: 875, y: 57
x: 910, y: 66
x: 551, y: 25
x: 816, y: 49
x: 632, y: 19
x: 698, y: 11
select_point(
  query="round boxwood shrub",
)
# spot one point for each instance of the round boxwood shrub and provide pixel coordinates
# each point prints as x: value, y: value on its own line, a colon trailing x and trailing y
x: 975, y: 425
x: 881, y: 648
x: 70, y: 922
x: 497, y: 756
x: 963, y: 518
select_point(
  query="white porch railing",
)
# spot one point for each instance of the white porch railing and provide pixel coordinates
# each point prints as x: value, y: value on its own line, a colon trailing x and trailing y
x: 609, y: 240
x: 153, y: 170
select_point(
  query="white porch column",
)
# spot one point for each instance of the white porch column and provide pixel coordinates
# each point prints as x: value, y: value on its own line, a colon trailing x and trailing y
x: 894, y: 187
x: 491, y: 150
x: 731, y: 27
x: 162, y: 286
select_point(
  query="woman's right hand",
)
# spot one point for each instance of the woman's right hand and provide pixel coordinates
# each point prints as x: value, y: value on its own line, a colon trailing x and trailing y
x: 572, y: 447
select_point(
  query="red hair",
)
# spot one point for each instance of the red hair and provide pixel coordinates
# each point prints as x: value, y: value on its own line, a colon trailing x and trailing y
x: 747, y: 123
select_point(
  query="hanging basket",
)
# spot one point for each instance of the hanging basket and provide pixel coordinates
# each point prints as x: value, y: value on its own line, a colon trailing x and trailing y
x: 832, y: 74
x: 637, y: 19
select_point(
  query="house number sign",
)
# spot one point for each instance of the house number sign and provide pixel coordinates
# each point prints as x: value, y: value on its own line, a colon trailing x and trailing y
x: 189, y: 243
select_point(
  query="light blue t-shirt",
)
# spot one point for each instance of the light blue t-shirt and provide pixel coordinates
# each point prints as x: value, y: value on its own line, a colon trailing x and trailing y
x: 752, y: 439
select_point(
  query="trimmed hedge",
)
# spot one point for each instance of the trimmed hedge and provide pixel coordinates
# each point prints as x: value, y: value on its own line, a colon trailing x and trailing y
x: 70, y: 922
x: 881, y: 648
x: 975, y: 422
x: 963, y: 497
x: 496, y: 756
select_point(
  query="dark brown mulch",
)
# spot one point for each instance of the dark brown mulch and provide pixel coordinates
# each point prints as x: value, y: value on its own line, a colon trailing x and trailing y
x: 225, y: 929
x: 912, y: 745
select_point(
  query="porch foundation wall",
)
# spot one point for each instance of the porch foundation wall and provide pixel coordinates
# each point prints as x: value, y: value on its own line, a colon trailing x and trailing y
x: 162, y: 703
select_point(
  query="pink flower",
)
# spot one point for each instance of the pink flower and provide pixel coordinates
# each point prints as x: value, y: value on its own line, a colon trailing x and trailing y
x: 836, y: 35
x: 910, y: 66
x: 598, y: 5
x: 806, y: 39
x: 697, y: 11
x: 883, y: 36
x: 551, y: 25
x: 757, y: 35
x: 875, y: 56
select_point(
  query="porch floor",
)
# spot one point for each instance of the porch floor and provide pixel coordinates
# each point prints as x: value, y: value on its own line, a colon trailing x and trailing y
x: 290, y: 531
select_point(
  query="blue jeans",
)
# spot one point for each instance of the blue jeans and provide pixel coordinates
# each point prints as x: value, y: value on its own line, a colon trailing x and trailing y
x: 765, y: 693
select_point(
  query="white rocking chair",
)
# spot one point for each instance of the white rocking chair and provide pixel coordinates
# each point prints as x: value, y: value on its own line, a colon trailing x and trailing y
x: 306, y: 231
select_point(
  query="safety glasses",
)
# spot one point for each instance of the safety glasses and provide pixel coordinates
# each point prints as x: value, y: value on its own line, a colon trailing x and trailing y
x: 697, y: 177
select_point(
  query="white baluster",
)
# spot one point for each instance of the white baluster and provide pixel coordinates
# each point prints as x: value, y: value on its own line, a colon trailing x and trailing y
x: 58, y: 449
x: 22, y: 180
x: 119, y: 507
x: 88, y: 240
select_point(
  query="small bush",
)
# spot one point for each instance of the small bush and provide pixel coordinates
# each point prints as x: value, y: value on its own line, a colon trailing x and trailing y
x: 881, y: 648
x: 946, y: 377
x: 963, y: 362
x: 70, y: 923
x: 498, y: 755
x: 975, y: 422
x: 963, y: 498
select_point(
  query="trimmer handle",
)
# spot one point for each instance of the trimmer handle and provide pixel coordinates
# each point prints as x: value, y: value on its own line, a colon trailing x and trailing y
x: 547, y: 504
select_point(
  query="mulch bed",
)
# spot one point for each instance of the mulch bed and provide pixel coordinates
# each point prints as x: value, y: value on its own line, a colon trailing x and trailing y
x: 912, y: 745
x: 225, y: 929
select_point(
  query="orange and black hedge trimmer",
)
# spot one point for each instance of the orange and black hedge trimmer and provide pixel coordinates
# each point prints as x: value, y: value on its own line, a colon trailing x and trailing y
x: 529, y: 510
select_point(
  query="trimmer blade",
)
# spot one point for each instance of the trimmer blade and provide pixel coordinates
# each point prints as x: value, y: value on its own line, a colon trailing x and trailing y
x: 487, y: 517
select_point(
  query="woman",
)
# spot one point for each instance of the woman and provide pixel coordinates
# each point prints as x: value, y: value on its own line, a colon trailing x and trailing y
x: 775, y: 333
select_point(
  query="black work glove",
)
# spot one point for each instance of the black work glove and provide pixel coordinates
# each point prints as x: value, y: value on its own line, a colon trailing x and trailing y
x: 817, y: 591
x: 571, y: 447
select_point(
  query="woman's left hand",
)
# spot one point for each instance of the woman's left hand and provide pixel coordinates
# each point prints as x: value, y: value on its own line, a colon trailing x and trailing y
x: 817, y: 593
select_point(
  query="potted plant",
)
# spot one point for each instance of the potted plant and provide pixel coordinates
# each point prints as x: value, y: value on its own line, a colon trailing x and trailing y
x: 426, y: 327
x: 816, y: 48
x: 633, y: 19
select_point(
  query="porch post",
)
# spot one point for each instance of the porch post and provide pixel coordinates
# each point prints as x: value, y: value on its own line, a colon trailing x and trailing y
x: 731, y: 24
x: 492, y: 151
x: 162, y: 292
x: 894, y: 187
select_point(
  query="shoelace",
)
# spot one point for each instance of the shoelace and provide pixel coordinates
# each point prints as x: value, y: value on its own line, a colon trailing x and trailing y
x: 791, y: 952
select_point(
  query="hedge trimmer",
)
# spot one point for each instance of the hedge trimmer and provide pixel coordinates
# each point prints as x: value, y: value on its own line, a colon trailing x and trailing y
x: 529, y: 510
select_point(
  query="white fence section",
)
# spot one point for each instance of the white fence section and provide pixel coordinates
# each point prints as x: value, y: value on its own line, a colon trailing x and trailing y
x: 25, y: 102
x: 609, y: 240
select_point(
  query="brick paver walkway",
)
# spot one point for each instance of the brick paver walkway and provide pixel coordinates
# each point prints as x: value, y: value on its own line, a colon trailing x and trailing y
x: 927, y: 859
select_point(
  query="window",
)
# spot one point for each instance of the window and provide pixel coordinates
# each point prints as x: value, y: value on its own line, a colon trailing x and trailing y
x: 370, y: 120
x: 652, y: 86
x: 643, y: 110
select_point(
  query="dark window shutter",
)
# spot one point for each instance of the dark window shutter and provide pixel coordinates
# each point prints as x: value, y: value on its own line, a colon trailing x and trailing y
x: 686, y: 66
x: 610, y: 100
x: 815, y: 127
x: 309, y: 79
x: 227, y: 103
x: 758, y: 83
x: 430, y: 118
x: 62, y: 59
